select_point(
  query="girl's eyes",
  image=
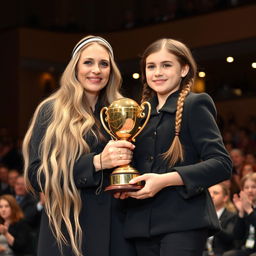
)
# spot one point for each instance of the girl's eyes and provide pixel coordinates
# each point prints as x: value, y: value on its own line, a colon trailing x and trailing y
x: 164, y: 65
x: 150, y: 66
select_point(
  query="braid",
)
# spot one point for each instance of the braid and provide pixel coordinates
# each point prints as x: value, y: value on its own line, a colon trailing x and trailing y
x: 175, y: 152
x: 179, y: 111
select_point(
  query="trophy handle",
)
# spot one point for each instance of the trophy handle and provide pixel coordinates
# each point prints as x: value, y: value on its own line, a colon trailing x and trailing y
x: 141, y: 115
x: 103, y: 110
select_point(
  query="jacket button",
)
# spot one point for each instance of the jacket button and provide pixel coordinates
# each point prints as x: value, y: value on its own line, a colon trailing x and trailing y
x: 151, y: 158
x: 83, y: 181
x: 200, y: 189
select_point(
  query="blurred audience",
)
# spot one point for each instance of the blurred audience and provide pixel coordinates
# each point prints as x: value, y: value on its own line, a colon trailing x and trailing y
x: 247, y: 168
x: 4, y: 170
x: 238, y: 160
x: 244, y: 231
x: 12, y: 176
x: 14, y: 232
x: 30, y: 205
x: 223, y: 240
x: 250, y: 158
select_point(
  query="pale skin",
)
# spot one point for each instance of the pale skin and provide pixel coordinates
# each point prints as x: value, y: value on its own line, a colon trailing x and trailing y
x: 5, y: 213
x: 218, y: 196
x: 93, y: 71
x: 163, y: 74
x: 246, y: 198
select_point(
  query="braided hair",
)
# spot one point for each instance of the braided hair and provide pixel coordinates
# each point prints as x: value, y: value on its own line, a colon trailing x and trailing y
x: 175, y: 153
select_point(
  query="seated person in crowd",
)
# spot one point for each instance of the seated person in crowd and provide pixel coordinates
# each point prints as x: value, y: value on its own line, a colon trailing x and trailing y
x: 30, y: 206
x: 4, y: 170
x: 238, y: 160
x: 244, y: 231
x: 12, y: 176
x: 250, y: 159
x: 223, y: 240
x: 14, y: 232
x: 247, y: 168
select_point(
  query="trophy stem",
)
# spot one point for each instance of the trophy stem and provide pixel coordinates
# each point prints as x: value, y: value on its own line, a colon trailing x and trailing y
x: 122, y: 121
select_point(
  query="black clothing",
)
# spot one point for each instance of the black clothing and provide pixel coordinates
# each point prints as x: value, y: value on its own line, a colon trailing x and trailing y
x: 243, y: 225
x: 170, y: 244
x: 206, y: 162
x: 224, y: 240
x: 22, y: 237
x: 98, y: 210
x: 28, y: 204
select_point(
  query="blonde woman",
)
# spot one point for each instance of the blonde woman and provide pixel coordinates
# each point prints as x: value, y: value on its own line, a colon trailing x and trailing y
x: 67, y: 156
x: 173, y: 214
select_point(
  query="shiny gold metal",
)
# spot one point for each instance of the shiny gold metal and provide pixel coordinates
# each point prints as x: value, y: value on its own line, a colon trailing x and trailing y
x: 122, y: 122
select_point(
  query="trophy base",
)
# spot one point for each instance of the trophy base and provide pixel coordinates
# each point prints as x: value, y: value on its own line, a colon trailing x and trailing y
x: 123, y: 188
x: 120, y: 177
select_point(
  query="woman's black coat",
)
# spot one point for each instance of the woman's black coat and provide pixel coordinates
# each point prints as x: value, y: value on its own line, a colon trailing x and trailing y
x: 101, y: 218
x: 206, y: 162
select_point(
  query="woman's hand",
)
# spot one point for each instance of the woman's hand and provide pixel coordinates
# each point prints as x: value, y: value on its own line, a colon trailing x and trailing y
x: 246, y: 202
x: 2, y: 248
x: 3, y: 229
x: 238, y: 204
x: 115, y: 153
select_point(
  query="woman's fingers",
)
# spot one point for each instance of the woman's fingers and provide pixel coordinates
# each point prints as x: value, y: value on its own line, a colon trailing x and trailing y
x: 117, y: 153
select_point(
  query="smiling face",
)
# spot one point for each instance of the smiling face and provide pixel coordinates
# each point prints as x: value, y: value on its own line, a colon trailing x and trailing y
x: 164, y: 72
x: 250, y: 189
x: 93, y: 69
x: 5, y: 209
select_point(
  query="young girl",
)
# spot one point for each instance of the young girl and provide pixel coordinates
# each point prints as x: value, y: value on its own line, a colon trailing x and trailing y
x: 65, y: 152
x: 181, y: 154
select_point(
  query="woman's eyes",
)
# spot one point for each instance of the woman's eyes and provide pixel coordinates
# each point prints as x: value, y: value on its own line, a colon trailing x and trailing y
x: 88, y: 62
x: 104, y: 63
x: 101, y: 63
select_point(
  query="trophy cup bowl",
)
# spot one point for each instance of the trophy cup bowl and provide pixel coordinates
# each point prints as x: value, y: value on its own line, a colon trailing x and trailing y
x: 122, y: 121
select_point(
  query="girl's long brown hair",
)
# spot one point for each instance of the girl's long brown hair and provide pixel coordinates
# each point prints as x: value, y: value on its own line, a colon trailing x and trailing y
x: 184, y: 56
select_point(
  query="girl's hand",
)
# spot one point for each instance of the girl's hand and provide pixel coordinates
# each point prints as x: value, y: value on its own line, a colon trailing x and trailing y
x: 115, y: 153
x: 120, y: 195
x: 153, y: 184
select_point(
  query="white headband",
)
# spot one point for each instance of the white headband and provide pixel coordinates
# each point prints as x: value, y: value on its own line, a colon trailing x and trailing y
x: 89, y: 40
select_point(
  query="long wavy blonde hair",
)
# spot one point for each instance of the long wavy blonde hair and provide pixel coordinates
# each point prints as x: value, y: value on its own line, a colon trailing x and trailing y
x: 69, y: 119
x: 184, y: 56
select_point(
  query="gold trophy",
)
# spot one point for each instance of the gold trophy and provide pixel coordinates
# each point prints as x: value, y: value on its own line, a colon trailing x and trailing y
x: 123, y: 118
